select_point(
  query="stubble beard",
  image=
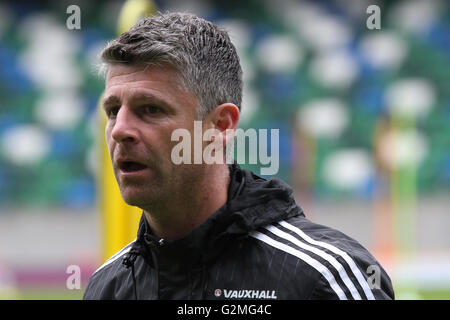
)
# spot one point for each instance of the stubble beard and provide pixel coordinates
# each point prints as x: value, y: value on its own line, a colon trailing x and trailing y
x: 174, y: 186
x: 142, y: 194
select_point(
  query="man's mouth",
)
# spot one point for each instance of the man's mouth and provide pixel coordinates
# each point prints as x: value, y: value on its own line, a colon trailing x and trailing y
x: 131, y: 166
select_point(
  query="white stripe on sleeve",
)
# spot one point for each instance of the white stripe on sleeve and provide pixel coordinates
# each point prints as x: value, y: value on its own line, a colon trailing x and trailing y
x: 116, y: 256
x: 312, y: 262
x: 340, y: 269
x: 344, y: 255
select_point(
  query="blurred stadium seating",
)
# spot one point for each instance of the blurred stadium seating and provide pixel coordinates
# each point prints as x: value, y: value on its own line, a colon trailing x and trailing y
x: 361, y: 112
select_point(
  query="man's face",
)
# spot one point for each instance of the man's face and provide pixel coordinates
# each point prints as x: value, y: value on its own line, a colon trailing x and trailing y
x: 144, y: 105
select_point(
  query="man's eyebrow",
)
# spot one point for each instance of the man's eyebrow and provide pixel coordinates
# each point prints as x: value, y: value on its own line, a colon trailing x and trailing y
x: 148, y: 98
x: 142, y: 96
x: 110, y: 100
x: 138, y: 98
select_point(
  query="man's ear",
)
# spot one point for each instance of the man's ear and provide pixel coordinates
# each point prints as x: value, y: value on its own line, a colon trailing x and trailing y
x: 224, y: 118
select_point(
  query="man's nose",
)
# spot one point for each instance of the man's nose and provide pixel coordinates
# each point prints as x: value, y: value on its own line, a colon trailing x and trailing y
x: 125, y: 127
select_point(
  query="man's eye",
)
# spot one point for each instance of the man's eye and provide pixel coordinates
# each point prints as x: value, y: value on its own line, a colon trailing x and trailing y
x: 112, y: 112
x: 152, y: 109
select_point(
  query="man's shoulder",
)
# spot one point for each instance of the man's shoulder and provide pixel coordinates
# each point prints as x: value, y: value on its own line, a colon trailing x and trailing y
x: 104, y: 276
x: 321, y: 234
x: 334, y: 259
x: 311, y: 242
x: 307, y: 231
x: 114, y: 259
x: 331, y: 241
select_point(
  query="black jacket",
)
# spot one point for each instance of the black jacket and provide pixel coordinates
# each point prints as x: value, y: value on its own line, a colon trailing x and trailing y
x: 259, y: 245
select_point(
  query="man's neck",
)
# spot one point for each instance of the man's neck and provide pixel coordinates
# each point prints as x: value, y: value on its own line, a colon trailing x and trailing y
x: 181, y: 216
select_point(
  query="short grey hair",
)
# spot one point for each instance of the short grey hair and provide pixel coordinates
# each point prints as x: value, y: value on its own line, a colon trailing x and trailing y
x: 201, y: 51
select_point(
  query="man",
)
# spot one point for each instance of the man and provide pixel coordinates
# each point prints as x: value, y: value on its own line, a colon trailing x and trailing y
x: 208, y: 231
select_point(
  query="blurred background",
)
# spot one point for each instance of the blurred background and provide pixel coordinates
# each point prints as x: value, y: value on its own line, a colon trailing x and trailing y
x: 363, y: 114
